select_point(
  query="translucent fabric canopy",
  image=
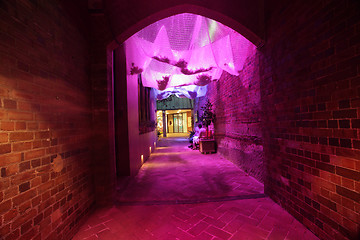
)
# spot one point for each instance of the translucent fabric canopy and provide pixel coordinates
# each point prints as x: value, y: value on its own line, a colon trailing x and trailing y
x: 182, y: 54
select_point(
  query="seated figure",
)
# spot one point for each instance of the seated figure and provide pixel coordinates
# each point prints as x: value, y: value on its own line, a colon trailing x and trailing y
x: 200, y: 132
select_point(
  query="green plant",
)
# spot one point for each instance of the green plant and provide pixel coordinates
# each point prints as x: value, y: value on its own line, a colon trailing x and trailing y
x: 208, y: 116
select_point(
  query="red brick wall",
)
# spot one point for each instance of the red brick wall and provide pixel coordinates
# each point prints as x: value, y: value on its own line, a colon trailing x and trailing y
x: 45, y: 120
x: 310, y: 77
x: 237, y: 105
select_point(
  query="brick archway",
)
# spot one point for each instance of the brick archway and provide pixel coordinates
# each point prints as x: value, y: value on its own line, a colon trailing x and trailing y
x: 140, y: 20
x: 122, y: 21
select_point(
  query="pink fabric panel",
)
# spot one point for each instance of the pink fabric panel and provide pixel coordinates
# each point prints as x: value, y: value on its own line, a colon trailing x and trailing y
x: 185, y: 50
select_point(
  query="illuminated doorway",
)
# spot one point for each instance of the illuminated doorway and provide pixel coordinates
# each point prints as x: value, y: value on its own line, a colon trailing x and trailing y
x: 179, y: 121
x: 176, y: 121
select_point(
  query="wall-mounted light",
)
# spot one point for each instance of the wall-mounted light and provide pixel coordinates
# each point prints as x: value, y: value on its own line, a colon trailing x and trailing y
x: 150, y: 150
x: 142, y: 159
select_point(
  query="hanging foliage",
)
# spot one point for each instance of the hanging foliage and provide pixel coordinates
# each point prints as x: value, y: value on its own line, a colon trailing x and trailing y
x: 163, y: 83
x: 135, y: 70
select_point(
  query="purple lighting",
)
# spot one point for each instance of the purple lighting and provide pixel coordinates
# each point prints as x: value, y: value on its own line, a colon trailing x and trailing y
x: 188, y: 51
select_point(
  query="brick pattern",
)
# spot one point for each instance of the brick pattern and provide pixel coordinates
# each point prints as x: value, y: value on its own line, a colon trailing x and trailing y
x: 173, y: 164
x: 242, y: 219
x: 310, y: 95
x: 45, y: 121
x: 237, y: 105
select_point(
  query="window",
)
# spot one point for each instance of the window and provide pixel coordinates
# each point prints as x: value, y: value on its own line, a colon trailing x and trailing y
x: 146, y: 124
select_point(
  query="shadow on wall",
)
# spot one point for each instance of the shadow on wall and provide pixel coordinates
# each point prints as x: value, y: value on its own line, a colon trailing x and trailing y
x: 45, y: 111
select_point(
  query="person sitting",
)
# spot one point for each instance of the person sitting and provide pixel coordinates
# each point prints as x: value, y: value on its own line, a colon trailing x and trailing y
x: 191, y: 138
x: 200, y: 132
x: 192, y: 134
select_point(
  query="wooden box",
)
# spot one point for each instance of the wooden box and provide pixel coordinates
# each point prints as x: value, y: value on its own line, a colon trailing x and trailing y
x: 207, y: 145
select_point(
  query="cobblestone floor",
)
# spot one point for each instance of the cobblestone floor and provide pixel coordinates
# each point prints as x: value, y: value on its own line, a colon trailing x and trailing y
x: 182, y: 194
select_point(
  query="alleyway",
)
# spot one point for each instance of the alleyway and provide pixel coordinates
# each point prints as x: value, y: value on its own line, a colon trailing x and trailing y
x: 181, y: 194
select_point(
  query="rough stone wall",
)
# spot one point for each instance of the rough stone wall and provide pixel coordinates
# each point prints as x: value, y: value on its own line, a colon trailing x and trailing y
x: 310, y: 83
x: 237, y: 105
x: 45, y: 119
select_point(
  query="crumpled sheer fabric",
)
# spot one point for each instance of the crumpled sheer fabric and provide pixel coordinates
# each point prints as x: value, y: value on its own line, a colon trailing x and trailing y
x: 191, y: 91
x: 182, y: 54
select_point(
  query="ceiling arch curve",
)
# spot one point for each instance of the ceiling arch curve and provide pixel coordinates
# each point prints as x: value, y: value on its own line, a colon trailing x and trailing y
x: 128, y: 17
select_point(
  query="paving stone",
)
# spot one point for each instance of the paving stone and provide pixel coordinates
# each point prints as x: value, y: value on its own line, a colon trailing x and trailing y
x: 180, y: 224
x: 228, y: 216
x: 253, y: 229
x: 181, y: 216
x: 245, y: 236
x: 114, y: 226
x: 196, y: 218
x: 204, y: 236
x: 248, y: 220
x: 182, y: 235
x: 234, y: 225
x: 278, y: 233
x: 198, y: 228
x: 259, y: 214
x: 267, y: 223
x: 215, y: 222
x: 159, y: 213
x: 90, y: 231
x: 107, y: 235
x: 218, y: 233
x: 139, y: 234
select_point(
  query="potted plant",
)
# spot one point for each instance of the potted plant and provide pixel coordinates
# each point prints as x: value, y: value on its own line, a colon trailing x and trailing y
x: 208, y: 116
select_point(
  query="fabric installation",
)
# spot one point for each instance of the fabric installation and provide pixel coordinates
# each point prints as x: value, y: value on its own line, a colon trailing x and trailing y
x: 182, y: 54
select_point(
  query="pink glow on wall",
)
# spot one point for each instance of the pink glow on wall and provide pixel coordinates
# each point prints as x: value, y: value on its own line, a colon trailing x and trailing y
x: 181, y: 54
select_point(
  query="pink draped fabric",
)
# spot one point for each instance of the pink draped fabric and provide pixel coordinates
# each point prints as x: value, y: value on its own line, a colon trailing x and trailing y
x: 182, y: 54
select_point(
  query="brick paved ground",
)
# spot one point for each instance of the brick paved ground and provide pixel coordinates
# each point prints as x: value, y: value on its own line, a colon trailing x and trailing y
x: 182, y: 194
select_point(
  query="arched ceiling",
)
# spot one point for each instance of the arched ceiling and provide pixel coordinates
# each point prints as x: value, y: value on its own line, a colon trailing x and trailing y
x: 128, y: 17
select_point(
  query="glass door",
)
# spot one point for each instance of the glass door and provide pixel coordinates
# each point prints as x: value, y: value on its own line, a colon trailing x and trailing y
x: 178, y: 123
